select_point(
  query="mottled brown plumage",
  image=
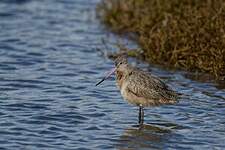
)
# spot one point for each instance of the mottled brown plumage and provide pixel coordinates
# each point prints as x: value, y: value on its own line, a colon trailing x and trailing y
x: 141, y: 88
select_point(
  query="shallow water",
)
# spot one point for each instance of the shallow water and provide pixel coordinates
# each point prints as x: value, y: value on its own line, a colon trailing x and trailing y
x: 49, y: 64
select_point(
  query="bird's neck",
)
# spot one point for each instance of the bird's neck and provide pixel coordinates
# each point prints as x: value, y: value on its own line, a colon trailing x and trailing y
x: 121, y: 77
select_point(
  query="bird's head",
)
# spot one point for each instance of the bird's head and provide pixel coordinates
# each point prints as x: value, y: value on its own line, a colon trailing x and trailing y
x: 120, y: 65
x: 121, y: 62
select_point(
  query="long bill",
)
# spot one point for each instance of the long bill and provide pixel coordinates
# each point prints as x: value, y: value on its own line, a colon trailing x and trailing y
x: 107, y: 76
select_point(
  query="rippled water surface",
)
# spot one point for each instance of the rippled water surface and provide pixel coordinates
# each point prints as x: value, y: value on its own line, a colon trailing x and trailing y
x: 49, y: 64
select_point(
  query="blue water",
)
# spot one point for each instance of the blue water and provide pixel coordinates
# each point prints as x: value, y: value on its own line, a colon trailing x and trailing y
x: 49, y: 64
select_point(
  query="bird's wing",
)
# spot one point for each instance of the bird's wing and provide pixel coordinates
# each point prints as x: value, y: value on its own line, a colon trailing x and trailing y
x: 147, y: 86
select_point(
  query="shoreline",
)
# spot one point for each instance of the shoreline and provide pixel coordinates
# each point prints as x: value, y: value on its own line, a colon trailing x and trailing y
x: 187, y: 35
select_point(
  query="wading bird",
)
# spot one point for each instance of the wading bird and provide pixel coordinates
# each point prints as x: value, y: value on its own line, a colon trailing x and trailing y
x: 140, y: 88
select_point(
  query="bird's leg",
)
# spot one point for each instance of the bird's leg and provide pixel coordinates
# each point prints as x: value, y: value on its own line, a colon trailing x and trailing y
x: 141, y: 115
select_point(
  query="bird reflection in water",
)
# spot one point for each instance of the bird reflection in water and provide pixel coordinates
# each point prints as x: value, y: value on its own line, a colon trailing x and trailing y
x: 145, y: 137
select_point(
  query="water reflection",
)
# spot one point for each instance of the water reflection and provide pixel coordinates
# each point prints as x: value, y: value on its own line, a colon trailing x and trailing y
x: 147, y: 137
x: 206, y: 78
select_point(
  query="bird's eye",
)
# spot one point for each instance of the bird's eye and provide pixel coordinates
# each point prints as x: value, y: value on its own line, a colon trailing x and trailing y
x: 119, y: 63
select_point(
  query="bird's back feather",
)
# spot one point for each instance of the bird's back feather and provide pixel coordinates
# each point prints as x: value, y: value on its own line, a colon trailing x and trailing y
x: 146, y: 86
